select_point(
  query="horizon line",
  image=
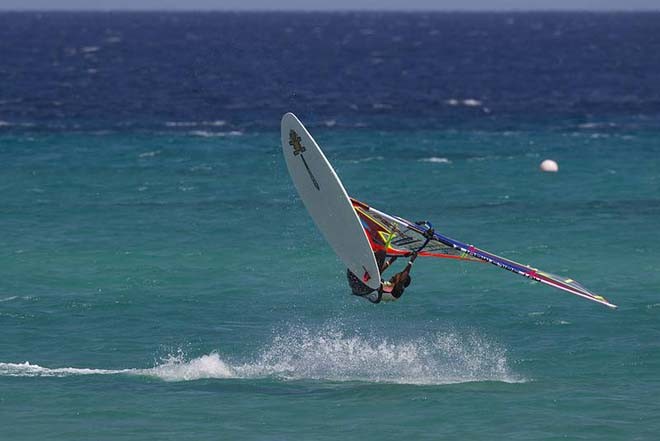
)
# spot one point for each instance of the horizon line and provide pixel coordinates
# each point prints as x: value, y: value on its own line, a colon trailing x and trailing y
x: 392, y: 10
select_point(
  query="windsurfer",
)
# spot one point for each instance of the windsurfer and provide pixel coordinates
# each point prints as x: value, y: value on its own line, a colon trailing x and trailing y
x: 390, y: 290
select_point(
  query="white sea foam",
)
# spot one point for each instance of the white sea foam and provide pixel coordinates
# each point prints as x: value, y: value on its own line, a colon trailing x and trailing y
x: 27, y: 369
x: 436, y: 160
x: 367, y: 159
x: 201, y: 167
x: 89, y: 49
x: 328, y: 354
x: 173, y: 369
x: 150, y: 154
x: 218, y: 123
x: 207, y: 134
x: 468, y: 102
x: 471, y: 102
x: 597, y: 125
x: 10, y: 124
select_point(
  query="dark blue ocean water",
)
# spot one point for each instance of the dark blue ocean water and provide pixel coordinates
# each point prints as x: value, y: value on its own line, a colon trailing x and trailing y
x: 161, y: 278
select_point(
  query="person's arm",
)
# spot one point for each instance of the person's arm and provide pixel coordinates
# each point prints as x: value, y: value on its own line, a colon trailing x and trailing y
x: 410, y: 263
x: 388, y: 263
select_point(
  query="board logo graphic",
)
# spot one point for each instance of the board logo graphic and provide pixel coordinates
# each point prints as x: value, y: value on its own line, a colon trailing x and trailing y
x: 298, y: 149
x: 294, y: 141
x: 366, y: 276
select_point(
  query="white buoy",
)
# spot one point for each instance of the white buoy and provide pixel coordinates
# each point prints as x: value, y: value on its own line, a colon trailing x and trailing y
x: 549, y: 166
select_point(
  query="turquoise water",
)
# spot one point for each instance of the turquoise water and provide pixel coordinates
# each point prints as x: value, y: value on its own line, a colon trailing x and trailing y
x: 160, y: 278
x: 169, y: 284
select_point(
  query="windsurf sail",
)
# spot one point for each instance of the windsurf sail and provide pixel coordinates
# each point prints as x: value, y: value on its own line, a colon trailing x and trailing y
x: 400, y: 237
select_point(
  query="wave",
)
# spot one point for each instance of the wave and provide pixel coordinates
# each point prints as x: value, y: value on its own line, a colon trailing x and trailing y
x: 89, y: 49
x: 13, y: 124
x: 207, y: 134
x: 218, y: 123
x: 10, y: 298
x: 436, y: 160
x: 150, y: 154
x: 467, y: 102
x: 597, y: 125
x: 367, y: 159
x: 330, y: 355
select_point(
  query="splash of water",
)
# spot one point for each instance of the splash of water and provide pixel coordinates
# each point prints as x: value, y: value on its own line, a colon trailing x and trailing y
x: 176, y: 368
x: 332, y: 355
x: 329, y: 354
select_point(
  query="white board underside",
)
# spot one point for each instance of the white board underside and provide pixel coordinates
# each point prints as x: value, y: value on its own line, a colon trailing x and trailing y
x: 326, y: 200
